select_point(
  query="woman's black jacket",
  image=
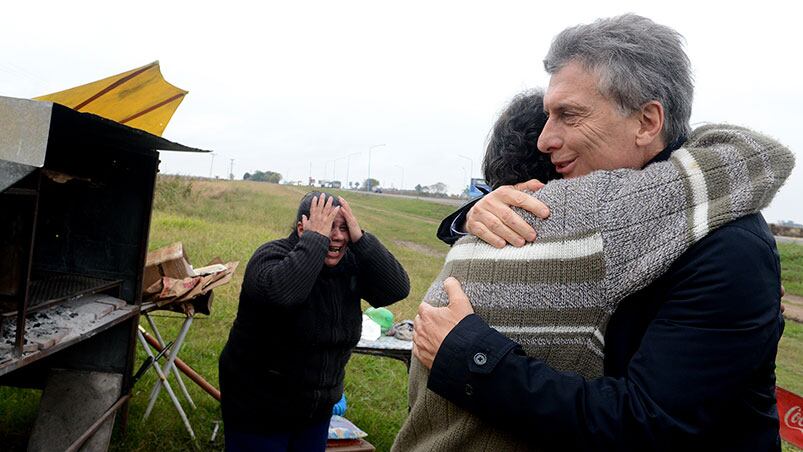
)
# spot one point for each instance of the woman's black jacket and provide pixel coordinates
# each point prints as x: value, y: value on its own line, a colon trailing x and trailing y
x: 297, y: 323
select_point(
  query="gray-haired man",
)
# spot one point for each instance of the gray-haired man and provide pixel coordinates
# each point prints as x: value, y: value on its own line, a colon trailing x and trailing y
x: 689, y: 360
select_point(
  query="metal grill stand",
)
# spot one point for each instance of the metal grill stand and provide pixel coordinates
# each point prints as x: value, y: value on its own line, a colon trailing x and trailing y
x: 169, y: 367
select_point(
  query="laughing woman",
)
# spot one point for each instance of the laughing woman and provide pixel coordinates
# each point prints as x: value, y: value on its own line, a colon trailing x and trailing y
x: 298, y: 320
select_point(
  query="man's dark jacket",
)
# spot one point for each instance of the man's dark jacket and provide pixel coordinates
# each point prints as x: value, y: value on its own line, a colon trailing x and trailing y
x: 297, y: 322
x: 689, y: 360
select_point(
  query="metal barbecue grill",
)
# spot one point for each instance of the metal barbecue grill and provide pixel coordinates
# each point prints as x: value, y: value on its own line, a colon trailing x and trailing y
x: 76, y: 192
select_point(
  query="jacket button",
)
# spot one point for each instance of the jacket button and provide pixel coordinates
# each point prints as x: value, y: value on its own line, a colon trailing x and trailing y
x: 480, y: 359
x: 469, y: 389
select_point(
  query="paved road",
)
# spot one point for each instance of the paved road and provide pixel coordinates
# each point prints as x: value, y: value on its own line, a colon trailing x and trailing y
x: 782, y: 239
x: 447, y: 201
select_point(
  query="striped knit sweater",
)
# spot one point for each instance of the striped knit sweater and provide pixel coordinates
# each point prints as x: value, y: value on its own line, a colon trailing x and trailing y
x: 610, y: 234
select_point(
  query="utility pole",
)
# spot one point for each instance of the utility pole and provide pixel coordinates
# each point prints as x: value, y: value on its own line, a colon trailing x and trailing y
x: 212, y: 165
x: 231, y: 169
x: 369, y: 164
x: 471, y: 167
x: 402, y: 181
x: 348, y: 164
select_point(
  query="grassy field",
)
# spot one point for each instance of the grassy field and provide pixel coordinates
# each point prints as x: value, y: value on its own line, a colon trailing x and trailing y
x: 230, y: 220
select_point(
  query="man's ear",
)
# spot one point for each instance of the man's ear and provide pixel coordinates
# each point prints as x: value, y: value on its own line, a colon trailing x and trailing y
x: 299, y: 228
x: 651, y: 125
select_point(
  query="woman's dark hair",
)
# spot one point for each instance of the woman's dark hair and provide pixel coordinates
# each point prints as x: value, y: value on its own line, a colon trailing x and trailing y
x: 306, y: 203
x: 512, y: 154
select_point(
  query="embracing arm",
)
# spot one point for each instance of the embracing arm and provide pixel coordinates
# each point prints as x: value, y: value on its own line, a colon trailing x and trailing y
x: 713, y: 338
x: 641, y: 221
x: 453, y: 226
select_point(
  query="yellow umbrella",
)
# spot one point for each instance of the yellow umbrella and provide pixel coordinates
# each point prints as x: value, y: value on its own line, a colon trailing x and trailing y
x: 138, y: 98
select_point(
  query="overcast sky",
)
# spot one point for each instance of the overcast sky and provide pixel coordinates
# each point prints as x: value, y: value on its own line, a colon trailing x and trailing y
x: 297, y: 85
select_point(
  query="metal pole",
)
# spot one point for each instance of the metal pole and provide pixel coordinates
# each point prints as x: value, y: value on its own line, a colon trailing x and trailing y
x: 369, y: 164
x: 348, y: 164
x: 471, y: 168
x: 211, y: 165
x: 231, y: 169
x: 188, y: 371
x: 171, y: 358
x: 76, y: 445
x: 172, y: 367
x: 402, y: 181
x: 163, y: 378
x: 334, y: 162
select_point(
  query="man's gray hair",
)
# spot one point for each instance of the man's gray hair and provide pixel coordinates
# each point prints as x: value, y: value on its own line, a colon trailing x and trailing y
x: 636, y: 61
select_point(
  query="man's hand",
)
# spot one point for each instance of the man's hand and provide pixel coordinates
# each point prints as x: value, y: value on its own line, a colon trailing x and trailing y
x: 492, y: 220
x: 355, y: 233
x: 783, y: 292
x: 432, y: 325
x: 321, y: 215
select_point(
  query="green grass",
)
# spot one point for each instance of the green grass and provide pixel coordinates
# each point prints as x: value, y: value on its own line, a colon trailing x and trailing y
x: 230, y: 220
x: 792, y: 267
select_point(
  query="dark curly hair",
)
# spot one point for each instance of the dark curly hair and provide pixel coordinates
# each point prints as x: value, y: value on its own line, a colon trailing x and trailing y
x: 512, y: 154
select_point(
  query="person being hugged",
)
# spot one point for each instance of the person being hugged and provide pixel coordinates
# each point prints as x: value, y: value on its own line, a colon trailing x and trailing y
x: 298, y: 320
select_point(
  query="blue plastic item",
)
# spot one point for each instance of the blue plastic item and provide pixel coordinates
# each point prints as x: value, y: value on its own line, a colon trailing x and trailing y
x: 340, y: 406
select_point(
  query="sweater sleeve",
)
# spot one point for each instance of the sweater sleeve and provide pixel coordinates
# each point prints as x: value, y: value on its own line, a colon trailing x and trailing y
x: 641, y: 221
x: 285, y: 277
x: 383, y: 280
x: 717, y: 328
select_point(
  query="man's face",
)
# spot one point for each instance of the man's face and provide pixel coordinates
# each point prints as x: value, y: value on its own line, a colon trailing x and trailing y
x: 586, y: 131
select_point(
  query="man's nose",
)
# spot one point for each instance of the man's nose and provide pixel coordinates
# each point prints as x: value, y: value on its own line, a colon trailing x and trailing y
x: 549, y: 140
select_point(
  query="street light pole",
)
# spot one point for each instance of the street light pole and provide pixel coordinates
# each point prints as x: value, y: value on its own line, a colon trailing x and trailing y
x: 369, y: 163
x: 348, y: 164
x: 402, y: 181
x: 471, y: 167
x: 334, y: 163
x: 212, y: 165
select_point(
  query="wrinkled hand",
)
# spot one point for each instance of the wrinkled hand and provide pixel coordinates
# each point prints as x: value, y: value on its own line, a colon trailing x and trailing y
x: 492, y: 219
x: 432, y: 325
x: 355, y: 233
x: 321, y: 215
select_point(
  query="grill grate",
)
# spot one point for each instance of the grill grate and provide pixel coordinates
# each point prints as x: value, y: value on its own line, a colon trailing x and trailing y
x: 52, y: 289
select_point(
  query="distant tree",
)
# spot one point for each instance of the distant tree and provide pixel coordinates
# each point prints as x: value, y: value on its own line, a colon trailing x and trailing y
x: 357, y: 185
x: 246, y: 176
x: 370, y: 184
x: 438, y: 188
x: 266, y: 176
x: 419, y: 189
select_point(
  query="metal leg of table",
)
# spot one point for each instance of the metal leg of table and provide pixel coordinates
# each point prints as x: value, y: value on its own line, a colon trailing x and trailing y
x: 157, y: 387
x: 172, y: 365
x: 163, y: 378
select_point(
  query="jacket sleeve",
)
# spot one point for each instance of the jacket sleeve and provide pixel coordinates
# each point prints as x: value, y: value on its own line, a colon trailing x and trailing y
x: 450, y: 228
x: 720, y: 322
x: 284, y: 277
x: 383, y: 280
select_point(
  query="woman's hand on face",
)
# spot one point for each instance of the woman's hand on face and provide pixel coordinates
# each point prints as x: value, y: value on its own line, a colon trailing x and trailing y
x: 321, y: 215
x: 355, y: 233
